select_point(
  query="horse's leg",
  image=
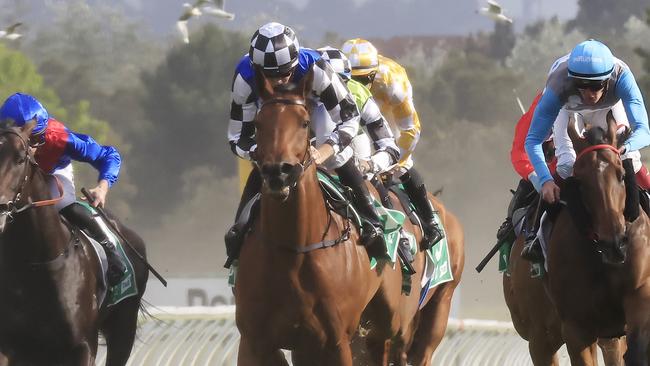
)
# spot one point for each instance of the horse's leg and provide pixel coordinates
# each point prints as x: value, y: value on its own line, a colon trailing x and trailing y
x: 119, y: 329
x: 613, y: 349
x: 379, y: 350
x: 432, y: 325
x: 542, y: 349
x: 637, y: 316
x: 250, y: 354
x: 578, y: 345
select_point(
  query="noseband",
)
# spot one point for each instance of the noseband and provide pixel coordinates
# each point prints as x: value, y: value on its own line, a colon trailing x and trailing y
x: 296, y: 170
x: 12, y: 207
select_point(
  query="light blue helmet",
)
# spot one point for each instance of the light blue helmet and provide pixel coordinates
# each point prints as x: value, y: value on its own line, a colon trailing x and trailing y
x: 591, y: 60
x: 22, y: 108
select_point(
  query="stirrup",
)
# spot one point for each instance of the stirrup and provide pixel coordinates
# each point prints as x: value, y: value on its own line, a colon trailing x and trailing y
x: 373, y: 239
x: 532, y: 251
x: 432, y: 235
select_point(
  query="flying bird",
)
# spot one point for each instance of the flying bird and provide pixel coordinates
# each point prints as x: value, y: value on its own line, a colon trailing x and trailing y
x: 10, y: 32
x: 495, y: 12
x: 200, y: 7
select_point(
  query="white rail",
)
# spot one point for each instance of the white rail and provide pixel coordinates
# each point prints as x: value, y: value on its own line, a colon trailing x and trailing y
x: 207, y: 336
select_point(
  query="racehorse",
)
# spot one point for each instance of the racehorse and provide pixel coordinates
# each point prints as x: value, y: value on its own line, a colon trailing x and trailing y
x: 598, y: 263
x: 302, y: 279
x: 50, y: 274
x: 415, y: 330
x: 535, y: 318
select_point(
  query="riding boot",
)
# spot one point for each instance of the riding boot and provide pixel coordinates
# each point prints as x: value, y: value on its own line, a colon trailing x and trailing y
x: 520, y: 198
x: 372, y: 232
x: 234, y: 238
x: 532, y: 250
x: 631, y: 211
x: 417, y: 193
x: 81, y: 217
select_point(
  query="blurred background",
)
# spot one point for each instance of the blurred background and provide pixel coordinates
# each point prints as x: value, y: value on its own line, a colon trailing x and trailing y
x: 122, y: 73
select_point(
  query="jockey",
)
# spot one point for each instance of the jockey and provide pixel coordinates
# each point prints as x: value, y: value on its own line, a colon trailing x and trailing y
x: 275, y: 50
x: 587, y: 83
x: 392, y: 90
x: 520, y: 162
x: 55, y: 147
x: 386, y: 151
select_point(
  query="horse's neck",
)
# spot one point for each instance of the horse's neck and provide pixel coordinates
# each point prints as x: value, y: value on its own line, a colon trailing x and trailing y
x: 36, y: 235
x: 299, y: 221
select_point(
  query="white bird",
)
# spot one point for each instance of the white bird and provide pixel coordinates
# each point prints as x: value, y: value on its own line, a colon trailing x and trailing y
x: 10, y: 32
x: 495, y: 12
x: 200, y: 7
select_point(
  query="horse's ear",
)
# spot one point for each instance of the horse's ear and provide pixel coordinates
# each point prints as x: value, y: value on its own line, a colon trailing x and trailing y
x: 27, y: 128
x: 612, y: 126
x: 306, y: 84
x: 579, y: 143
x: 263, y: 85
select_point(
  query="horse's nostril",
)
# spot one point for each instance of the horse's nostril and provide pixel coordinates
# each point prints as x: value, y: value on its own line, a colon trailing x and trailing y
x: 286, y: 168
x: 271, y: 169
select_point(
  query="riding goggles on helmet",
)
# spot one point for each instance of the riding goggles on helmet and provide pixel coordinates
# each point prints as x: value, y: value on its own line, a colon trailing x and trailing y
x: 593, y: 85
x: 366, y: 79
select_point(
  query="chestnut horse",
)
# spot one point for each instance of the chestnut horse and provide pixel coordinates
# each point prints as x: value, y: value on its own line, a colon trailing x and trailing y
x: 535, y: 318
x: 415, y: 330
x: 292, y: 296
x: 49, y: 275
x: 599, y: 272
x: 289, y: 294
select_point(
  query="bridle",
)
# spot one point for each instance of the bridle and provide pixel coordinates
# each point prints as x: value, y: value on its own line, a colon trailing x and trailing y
x: 589, y: 232
x: 295, y: 171
x: 12, y: 207
x: 597, y: 147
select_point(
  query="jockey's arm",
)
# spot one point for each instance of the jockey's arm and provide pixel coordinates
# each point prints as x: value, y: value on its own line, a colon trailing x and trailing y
x: 106, y: 159
x: 518, y: 156
x: 406, y: 119
x: 541, y: 125
x: 386, y: 150
x: 628, y: 90
x: 340, y: 105
x: 241, y: 128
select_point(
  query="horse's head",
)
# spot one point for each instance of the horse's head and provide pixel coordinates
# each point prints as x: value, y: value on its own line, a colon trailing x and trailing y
x: 15, y: 161
x: 599, y: 170
x: 282, y: 133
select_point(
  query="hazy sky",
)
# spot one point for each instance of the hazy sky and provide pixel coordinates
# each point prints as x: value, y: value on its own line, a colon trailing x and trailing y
x: 367, y: 18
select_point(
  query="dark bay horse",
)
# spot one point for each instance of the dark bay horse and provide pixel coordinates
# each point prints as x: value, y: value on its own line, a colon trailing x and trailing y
x: 49, y: 274
x: 599, y: 272
x: 535, y: 318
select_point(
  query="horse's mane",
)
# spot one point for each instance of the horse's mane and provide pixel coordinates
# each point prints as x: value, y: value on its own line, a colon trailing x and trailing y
x: 596, y: 136
x: 286, y: 88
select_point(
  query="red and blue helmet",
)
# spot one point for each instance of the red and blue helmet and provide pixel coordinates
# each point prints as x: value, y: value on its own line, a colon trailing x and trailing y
x: 21, y: 108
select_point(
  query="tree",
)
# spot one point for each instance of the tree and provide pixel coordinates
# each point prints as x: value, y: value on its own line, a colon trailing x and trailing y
x: 472, y: 87
x: 502, y: 40
x: 535, y: 51
x: 600, y: 18
x: 187, y: 103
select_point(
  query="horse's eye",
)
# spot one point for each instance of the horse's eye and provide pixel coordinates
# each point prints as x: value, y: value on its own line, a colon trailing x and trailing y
x: 305, y: 124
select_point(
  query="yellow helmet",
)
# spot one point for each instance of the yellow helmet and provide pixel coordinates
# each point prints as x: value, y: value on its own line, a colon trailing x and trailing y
x: 362, y: 55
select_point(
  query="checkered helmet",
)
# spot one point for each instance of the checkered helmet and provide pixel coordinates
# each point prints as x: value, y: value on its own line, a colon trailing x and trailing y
x: 362, y: 55
x: 339, y: 62
x: 274, y: 47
